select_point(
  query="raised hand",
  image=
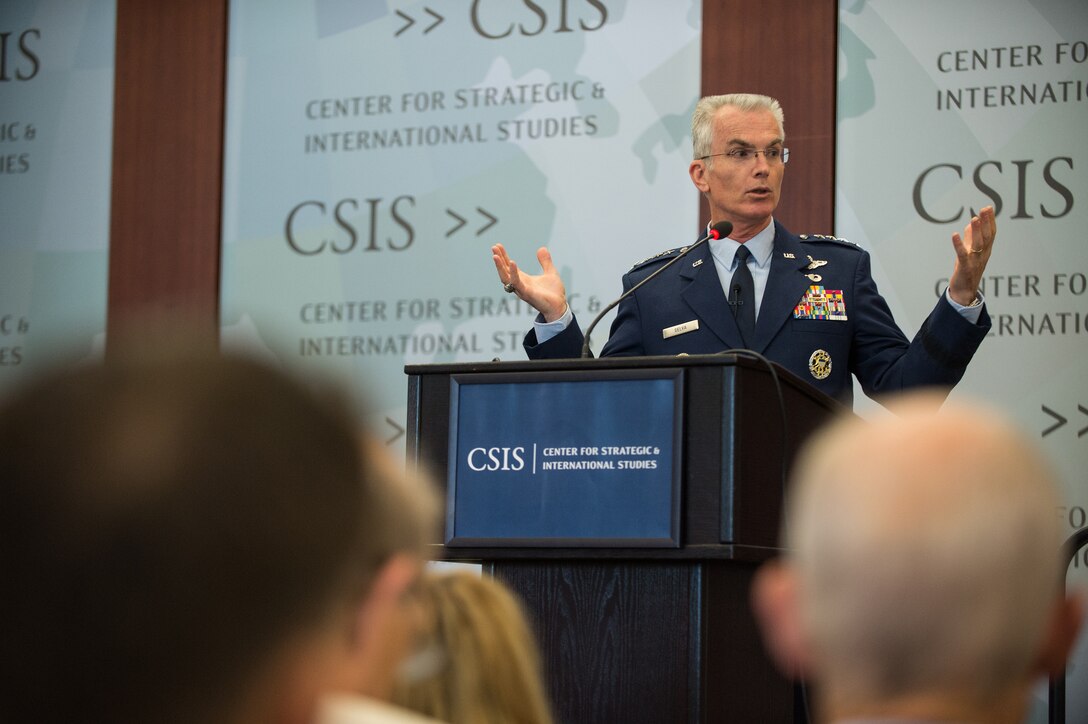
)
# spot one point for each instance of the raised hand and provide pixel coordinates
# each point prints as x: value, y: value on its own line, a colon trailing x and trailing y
x: 972, y: 253
x: 544, y: 292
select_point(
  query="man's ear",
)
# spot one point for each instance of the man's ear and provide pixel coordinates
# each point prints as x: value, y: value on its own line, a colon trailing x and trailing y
x: 1061, y: 635
x: 697, y: 171
x: 366, y: 659
x: 384, y: 598
x: 775, y: 602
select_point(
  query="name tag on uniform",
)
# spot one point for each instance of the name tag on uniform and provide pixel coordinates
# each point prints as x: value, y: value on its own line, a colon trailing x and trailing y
x: 680, y: 329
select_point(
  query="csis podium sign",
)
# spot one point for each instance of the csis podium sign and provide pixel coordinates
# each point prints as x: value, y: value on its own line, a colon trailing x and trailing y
x: 565, y: 460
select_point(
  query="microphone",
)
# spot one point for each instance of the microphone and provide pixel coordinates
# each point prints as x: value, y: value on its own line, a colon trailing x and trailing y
x: 734, y: 300
x: 717, y: 231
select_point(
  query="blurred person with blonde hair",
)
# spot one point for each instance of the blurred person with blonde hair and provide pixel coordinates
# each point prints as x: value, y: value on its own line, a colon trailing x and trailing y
x: 477, y: 660
x: 921, y: 578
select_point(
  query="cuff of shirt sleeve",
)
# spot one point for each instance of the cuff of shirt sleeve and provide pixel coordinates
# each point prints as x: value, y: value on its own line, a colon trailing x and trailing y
x: 971, y: 312
x: 547, y: 330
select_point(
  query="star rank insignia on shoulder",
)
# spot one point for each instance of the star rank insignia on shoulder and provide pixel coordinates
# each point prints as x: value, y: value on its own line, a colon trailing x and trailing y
x: 826, y: 237
x: 660, y: 256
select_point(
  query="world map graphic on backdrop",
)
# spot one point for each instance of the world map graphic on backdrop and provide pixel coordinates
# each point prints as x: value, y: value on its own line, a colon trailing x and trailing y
x: 375, y: 152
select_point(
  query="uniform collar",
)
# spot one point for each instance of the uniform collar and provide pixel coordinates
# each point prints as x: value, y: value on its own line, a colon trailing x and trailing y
x: 761, y: 245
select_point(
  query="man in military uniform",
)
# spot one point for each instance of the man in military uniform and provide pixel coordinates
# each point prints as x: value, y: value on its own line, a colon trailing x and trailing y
x: 806, y: 302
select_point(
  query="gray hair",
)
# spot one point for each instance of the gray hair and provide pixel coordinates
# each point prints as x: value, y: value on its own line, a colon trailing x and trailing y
x: 926, y: 547
x: 702, y: 120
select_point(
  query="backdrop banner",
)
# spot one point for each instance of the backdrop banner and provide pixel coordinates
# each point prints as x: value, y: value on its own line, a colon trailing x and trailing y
x: 56, y: 114
x: 376, y: 151
x: 943, y: 108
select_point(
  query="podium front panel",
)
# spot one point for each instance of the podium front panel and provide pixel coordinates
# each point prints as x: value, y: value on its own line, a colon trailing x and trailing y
x: 562, y: 459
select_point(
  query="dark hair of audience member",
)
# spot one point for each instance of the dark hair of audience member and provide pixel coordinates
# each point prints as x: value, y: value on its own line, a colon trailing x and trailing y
x: 170, y: 518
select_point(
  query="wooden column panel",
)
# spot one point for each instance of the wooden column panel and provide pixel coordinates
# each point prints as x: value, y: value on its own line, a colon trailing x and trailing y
x: 785, y: 49
x: 167, y: 162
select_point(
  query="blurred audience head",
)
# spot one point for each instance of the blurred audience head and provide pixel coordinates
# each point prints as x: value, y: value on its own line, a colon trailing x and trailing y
x: 191, y: 536
x: 477, y: 661
x: 921, y: 575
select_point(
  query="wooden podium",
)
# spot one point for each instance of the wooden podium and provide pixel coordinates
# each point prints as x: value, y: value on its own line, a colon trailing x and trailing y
x: 654, y: 634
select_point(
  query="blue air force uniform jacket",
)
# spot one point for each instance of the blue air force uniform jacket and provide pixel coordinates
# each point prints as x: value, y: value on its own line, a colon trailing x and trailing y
x: 822, y: 331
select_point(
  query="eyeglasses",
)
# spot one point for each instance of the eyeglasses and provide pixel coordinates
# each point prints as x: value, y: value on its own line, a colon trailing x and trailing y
x: 744, y: 155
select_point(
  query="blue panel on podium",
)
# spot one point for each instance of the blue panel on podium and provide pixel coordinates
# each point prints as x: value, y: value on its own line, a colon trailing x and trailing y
x: 565, y: 459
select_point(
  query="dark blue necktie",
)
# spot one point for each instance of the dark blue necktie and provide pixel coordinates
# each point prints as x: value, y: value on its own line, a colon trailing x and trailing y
x: 742, y: 296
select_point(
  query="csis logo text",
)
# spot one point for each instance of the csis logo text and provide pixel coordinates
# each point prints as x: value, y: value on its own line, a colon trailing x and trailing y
x: 482, y: 459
